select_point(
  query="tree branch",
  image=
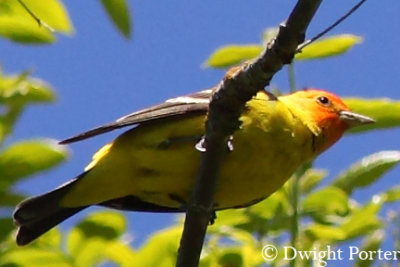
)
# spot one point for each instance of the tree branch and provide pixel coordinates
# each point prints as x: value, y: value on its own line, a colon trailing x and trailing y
x: 226, y: 105
x: 337, y: 22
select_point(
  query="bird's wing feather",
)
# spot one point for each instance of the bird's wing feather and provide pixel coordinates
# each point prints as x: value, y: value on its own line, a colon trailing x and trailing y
x: 132, y: 203
x: 183, y: 105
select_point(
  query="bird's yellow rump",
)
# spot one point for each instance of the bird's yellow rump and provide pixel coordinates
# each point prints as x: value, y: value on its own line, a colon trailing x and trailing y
x: 152, y: 167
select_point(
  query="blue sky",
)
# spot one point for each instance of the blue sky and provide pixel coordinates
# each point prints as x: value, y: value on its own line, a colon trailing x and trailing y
x: 99, y: 76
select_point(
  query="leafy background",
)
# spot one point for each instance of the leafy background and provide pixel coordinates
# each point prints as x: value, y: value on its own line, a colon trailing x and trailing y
x: 99, y: 74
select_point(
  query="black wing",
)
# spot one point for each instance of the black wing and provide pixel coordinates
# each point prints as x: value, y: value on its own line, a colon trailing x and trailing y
x: 132, y: 203
x: 183, y: 105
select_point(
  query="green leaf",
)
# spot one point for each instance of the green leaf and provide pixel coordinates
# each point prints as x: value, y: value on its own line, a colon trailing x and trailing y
x: 39, y: 92
x: 227, y: 240
x: 6, y: 226
x: 231, y: 257
x: 230, y: 217
x: 8, y: 119
x: 386, y: 112
x: 328, y: 47
x: 271, y: 214
x: 371, y: 243
x: 310, y: 179
x: 120, y: 253
x: 52, y: 12
x: 269, y: 208
x: 10, y: 199
x: 326, y: 202
x: 29, y: 157
x: 16, y: 91
x: 51, y: 239
x: 392, y: 195
x: 35, y: 257
x: 91, y: 252
x: 164, y: 244
x: 20, y: 89
x: 85, y: 251
x: 367, y: 170
x: 18, y: 25
x: 24, y: 31
x: 119, y: 14
x: 362, y: 221
x: 232, y: 54
x: 89, y: 242
x: 324, y: 232
x: 107, y: 224
x: 242, y: 236
x: 103, y: 226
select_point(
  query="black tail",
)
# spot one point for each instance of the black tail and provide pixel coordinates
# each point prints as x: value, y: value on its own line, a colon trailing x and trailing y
x: 36, y: 215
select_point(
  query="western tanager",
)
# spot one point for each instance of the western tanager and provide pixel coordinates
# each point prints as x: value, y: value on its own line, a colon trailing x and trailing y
x: 152, y: 167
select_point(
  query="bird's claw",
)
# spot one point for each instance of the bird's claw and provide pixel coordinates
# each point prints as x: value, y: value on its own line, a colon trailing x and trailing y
x: 213, y: 217
x: 201, y: 145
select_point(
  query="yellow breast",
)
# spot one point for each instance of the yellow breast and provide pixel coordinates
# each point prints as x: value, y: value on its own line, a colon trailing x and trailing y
x: 158, y: 162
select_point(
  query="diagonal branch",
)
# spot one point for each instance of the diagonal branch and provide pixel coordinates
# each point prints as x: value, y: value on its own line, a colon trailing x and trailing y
x: 226, y: 105
x: 331, y: 27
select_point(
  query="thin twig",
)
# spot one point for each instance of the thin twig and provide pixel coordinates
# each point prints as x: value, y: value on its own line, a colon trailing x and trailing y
x: 336, y: 23
x: 39, y: 21
x: 226, y: 105
x: 294, y: 181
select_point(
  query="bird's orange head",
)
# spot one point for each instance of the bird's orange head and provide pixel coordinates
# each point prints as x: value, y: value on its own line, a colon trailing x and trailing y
x: 325, y: 114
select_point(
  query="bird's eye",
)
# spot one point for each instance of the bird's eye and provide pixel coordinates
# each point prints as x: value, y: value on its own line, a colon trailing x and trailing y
x: 323, y: 100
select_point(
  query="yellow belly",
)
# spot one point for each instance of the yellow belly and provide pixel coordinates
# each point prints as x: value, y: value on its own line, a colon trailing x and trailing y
x: 158, y: 163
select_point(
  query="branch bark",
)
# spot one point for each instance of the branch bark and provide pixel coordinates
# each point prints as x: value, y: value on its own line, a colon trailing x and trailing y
x: 226, y: 105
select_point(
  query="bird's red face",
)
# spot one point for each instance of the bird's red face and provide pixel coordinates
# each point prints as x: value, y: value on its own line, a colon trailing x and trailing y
x: 328, y: 114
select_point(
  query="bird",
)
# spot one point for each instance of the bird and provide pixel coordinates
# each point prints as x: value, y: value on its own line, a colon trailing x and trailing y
x: 152, y: 167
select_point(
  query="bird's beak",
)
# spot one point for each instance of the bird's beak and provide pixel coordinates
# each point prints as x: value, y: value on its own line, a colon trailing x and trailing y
x: 353, y: 119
